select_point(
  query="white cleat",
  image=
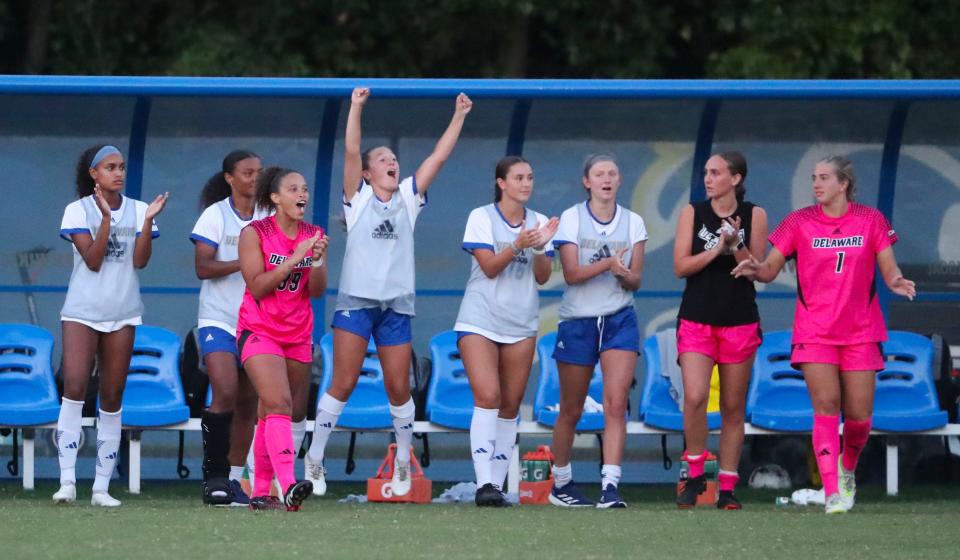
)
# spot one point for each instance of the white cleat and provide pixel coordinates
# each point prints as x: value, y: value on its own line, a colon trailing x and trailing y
x: 834, y: 504
x: 317, y: 474
x: 67, y: 494
x: 848, y: 486
x: 401, y: 478
x: 102, y: 499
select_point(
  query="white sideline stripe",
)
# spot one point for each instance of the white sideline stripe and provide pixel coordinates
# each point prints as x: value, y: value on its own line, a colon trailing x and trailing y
x: 526, y: 427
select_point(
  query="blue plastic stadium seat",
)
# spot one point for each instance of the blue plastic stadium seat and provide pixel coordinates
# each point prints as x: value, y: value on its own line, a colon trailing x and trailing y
x: 154, y: 394
x: 28, y: 393
x: 906, y: 399
x: 367, y: 407
x: 548, y: 390
x: 778, y: 397
x: 657, y: 407
x: 449, y: 399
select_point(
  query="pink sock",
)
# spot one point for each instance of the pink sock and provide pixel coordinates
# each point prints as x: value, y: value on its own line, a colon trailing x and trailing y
x: 855, y: 434
x: 280, y: 446
x: 263, y: 470
x: 695, y: 463
x: 826, y: 446
x: 728, y: 481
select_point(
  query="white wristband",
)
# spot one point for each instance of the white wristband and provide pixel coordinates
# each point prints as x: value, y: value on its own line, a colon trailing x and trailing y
x: 317, y: 263
x: 539, y: 251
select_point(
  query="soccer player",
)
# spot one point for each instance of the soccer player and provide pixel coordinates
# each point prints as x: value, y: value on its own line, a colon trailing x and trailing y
x: 376, y: 292
x: 718, y: 319
x: 101, y: 310
x: 228, y: 199
x: 281, y: 260
x: 838, y: 325
x: 499, y: 315
x: 601, y: 251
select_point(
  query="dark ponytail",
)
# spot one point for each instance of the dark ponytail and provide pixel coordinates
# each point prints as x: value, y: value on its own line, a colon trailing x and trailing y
x: 737, y: 165
x: 503, y: 167
x: 217, y: 187
x: 85, y: 183
x: 268, y: 183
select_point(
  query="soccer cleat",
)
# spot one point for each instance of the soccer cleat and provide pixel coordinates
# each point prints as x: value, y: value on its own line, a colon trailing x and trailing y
x: 400, y: 483
x: 102, y: 499
x: 67, y: 494
x: 217, y: 492
x: 834, y: 504
x: 693, y: 487
x: 238, y: 498
x: 316, y: 474
x: 569, y: 495
x: 848, y: 485
x: 610, y: 498
x: 726, y: 500
x: 296, y: 494
x: 489, y: 495
x: 265, y: 503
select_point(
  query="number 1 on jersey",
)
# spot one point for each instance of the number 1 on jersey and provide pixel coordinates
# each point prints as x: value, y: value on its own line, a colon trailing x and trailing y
x: 839, y: 262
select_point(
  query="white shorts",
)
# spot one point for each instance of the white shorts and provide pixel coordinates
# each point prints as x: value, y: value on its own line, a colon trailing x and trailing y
x: 502, y: 339
x: 107, y: 326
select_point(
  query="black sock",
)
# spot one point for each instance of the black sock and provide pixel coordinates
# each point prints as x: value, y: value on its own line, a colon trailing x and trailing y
x: 216, y: 444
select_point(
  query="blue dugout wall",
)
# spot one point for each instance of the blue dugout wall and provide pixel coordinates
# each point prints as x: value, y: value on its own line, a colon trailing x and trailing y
x: 903, y: 136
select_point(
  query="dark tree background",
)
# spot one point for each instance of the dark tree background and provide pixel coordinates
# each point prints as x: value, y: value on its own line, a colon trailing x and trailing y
x: 484, y: 38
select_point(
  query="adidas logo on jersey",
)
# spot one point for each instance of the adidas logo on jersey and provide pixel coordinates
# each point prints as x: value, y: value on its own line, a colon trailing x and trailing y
x: 115, y: 249
x: 603, y: 253
x: 384, y: 231
x: 500, y: 457
x: 479, y: 450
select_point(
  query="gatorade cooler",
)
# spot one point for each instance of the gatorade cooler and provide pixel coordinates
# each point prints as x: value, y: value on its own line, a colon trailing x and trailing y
x: 536, y: 479
x: 379, y: 488
x: 710, y: 469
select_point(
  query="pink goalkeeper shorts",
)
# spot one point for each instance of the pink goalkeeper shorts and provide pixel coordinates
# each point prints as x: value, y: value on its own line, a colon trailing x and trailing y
x: 851, y: 357
x: 252, y: 344
x: 725, y: 345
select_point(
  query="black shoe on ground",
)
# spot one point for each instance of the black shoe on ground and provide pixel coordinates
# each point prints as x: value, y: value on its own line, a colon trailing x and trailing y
x: 693, y: 487
x: 728, y: 501
x: 217, y: 492
x: 265, y: 503
x: 489, y: 495
x: 296, y: 494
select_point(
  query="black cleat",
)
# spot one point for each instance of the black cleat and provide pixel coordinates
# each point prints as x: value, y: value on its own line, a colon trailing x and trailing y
x: 296, y: 494
x: 692, y: 488
x: 265, y: 503
x: 489, y: 495
x: 728, y: 501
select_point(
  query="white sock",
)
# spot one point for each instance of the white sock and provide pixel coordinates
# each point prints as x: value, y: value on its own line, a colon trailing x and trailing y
x: 236, y: 473
x: 299, y: 431
x: 108, y: 447
x: 68, y: 438
x: 328, y: 412
x: 483, y: 436
x: 610, y: 474
x: 503, y: 450
x: 562, y: 475
x: 403, y: 428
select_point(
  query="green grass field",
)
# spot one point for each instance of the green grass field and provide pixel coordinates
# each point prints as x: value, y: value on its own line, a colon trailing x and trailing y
x: 167, y: 521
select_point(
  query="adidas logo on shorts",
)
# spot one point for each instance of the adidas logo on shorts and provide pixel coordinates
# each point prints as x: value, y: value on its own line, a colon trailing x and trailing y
x: 384, y: 231
x: 209, y: 338
x: 560, y: 345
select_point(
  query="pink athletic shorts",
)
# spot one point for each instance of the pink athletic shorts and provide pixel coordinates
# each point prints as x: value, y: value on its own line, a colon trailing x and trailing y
x: 725, y: 345
x: 851, y: 357
x: 251, y: 344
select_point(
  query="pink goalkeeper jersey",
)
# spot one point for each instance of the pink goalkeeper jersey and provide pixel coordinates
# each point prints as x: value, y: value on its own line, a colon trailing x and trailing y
x: 284, y: 315
x: 836, y: 263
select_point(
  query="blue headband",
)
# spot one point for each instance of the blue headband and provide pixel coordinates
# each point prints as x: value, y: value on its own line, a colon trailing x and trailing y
x: 102, y: 153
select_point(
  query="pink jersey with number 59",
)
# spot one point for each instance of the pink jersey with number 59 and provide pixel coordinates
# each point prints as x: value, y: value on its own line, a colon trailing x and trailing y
x: 285, y: 314
x: 836, y: 263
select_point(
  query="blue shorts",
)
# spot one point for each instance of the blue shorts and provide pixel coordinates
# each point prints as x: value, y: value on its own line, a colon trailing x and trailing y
x: 215, y: 339
x: 581, y: 341
x: 388, y: 327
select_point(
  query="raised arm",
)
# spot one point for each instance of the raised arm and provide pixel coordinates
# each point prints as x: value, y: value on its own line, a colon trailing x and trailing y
x: 352, y: 163
x: 259, y: 281
x: 431, y: 166
x: 765, y: 271
x: 685, y: 263
x: 893, y: 277
x: 93, y: 250
x: 208, y: 267
x: 630, y: 277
